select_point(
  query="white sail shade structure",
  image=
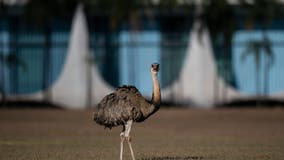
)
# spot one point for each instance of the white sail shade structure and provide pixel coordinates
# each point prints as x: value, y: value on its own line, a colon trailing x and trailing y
x: 76, y: 87
x: 79, y: 84
x: 198, y: 80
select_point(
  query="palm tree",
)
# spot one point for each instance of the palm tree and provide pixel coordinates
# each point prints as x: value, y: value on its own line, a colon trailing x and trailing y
x: 7, y: 61
x: 262, y: 12
x: 51, y: 10
x: 256, y: 48
x: 269, y: 60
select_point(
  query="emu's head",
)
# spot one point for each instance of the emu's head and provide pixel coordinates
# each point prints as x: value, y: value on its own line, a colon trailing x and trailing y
x: 155, y: 68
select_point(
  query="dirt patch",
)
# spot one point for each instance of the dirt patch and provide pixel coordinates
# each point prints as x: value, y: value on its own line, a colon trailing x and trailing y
x: 229, y: 134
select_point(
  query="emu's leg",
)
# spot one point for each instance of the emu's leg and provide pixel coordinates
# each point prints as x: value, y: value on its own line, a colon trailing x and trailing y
x: 122, y: 138
x: 127, y: 132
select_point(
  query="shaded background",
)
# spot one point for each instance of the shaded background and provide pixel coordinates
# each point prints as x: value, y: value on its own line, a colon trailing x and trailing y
x: 127, y: 36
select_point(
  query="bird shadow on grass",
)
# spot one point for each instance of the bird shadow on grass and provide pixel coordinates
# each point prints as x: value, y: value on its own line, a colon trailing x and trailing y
x: 177, y: 158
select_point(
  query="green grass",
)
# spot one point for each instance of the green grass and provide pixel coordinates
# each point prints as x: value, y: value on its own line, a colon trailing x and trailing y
x: 170, y: 134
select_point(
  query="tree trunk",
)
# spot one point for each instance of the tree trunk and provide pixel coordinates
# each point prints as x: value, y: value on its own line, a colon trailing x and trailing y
x: 257, y: 81
x: 257, y: 84
x: 228, y: 53
x: 3, y: 93
x: 46, y: 63
x: 267, y: 65
x: 266, y: 78
x: 89, y: 84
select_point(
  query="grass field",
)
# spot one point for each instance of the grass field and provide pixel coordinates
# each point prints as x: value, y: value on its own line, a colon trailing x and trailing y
x: 170, y: 134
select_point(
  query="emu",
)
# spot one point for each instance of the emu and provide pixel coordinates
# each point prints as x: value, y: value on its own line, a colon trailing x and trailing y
x: 127, y: 105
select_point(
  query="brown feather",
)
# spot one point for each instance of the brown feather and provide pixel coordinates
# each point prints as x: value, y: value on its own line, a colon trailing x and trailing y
x: 127, y: 103
x: 120, y: 106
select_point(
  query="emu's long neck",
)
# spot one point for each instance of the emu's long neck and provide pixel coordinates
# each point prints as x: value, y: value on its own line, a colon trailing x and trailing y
x: 156, y: 96
x: 154, y: 105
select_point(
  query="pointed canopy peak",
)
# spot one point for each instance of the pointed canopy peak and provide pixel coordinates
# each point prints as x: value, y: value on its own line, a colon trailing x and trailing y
x: 80, y: 8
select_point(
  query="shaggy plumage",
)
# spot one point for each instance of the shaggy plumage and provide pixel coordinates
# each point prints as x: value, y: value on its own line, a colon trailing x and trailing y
x: 120, y: 106
x: 127, y: 103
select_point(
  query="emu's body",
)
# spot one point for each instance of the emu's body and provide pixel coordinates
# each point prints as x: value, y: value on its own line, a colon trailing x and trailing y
x: 127, y: 105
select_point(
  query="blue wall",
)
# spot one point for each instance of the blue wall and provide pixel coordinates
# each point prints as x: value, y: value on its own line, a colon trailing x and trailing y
x: 245, y: 69
x: 137, y: 52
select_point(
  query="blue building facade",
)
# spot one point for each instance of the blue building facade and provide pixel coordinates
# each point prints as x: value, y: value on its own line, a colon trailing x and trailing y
x: 32, y: 58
